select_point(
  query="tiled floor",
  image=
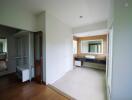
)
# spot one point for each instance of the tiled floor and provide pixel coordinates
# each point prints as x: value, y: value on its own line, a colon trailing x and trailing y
x: 83, y: 84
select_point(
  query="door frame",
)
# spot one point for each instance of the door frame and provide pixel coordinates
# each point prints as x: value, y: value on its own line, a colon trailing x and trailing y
x: 41, y: 56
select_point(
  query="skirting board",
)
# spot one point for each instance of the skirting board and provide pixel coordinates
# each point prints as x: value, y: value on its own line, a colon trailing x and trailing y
x: 60, y: 92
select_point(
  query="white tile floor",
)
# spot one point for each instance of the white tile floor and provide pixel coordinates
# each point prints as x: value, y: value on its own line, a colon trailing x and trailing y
x: 83, y: 84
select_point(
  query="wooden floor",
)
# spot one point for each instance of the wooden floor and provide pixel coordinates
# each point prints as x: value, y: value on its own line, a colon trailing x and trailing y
x: 12, y: 89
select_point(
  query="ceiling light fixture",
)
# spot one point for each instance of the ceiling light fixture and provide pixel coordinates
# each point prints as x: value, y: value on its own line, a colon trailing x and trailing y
x: 80, y: 17
x: 126, y: 3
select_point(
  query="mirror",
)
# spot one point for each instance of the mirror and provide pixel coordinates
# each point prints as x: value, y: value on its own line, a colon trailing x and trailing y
x: 3, y: 53
x: 92, y: 46
x: 3, y: 45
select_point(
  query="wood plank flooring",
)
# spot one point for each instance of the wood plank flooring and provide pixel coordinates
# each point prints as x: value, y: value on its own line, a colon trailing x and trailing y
x: 12, y: 89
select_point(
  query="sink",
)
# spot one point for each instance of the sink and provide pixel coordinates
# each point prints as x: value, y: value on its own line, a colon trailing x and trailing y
x: 90, y: 56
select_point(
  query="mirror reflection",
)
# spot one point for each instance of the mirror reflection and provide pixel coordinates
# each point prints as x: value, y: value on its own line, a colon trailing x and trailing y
x: 92, y: 46
x: 3, y: 53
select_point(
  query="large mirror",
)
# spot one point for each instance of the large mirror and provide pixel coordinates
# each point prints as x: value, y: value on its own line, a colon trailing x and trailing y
x: 3, y: 53
x: 92, y: 46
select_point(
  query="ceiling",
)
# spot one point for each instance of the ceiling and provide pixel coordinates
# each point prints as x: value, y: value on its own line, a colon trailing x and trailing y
x: 91, y: 33
x: 68, y: 11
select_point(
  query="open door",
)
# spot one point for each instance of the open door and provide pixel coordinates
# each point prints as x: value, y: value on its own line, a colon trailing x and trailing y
x: 38, y: 59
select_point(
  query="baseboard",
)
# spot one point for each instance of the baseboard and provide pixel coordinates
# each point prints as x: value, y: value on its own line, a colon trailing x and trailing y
x: 44, y: 83
x: 60, y: 92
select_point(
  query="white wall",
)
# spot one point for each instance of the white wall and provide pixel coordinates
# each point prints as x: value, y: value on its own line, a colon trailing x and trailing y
x: 58, y: 49
x: 122, y: 51
x: 110, y: 16
x: 92, y: 27
x: 12, y: 15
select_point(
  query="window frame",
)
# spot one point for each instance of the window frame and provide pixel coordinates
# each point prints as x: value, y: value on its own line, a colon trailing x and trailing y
x: 75, y: 51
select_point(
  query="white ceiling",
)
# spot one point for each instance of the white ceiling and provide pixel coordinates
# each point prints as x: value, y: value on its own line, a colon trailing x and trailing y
x: 91, y: 33
x: 68, y: 11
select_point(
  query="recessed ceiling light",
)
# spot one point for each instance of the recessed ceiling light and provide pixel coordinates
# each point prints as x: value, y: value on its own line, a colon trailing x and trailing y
x: 80, y: 17
x: 126, y: 3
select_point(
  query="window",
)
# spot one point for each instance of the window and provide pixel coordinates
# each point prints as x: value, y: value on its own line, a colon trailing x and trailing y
x: 92, y: 46
x: 74, y: 47
x: 3, y: 45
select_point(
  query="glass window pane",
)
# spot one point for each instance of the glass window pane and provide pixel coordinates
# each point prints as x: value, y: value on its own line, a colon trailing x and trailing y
x: 74, y: 47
